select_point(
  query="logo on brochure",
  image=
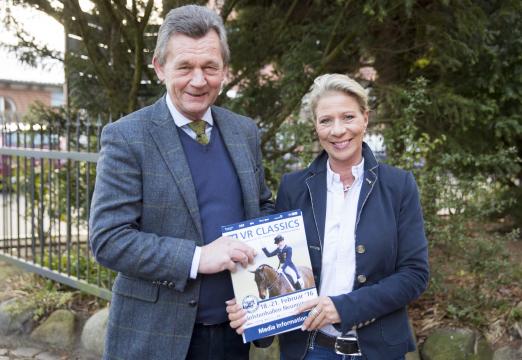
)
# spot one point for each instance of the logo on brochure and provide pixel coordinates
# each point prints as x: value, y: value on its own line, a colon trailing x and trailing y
x: 250, y: 303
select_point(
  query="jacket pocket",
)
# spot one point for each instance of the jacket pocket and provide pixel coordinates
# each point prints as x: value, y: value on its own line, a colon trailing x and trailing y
x: 135, y: 288
x: 395, y: 328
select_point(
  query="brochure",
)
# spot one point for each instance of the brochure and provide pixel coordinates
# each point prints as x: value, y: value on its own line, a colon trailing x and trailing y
x: 280, y: 279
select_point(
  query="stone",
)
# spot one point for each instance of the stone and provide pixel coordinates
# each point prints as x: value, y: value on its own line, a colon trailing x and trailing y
x: 4, y: 357
x: 268, y: 353
x: 448, y: 343
x: 482, y: 350
x: 26, y: 352
x: 517, y: 327
x: 48, y: 356
x: 456, y: 344
x: 414, y: 355
x: 15, y: 317
x: 58, y: 330
x: 507, y: 353
x: 93, y: 334
x: 4, y: 352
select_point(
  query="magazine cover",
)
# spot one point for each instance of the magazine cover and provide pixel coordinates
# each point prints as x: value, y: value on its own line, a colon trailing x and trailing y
x: 279, y: 280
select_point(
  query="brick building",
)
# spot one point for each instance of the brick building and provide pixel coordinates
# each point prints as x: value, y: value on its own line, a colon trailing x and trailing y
x: 16, y: 96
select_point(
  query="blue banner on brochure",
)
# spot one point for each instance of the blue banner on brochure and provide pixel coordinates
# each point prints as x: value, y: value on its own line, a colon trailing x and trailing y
x: 261, y: 220
x: 279, y: 280
x: 275, y: 327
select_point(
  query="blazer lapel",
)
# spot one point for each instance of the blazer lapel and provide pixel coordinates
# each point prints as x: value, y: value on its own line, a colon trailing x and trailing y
x: 241, y: 158
x: 166, y: 137
x: 316, y: 184
x: 370, y: 178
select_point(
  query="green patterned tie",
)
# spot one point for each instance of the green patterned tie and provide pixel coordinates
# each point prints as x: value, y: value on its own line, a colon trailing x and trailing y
x: 199, y: 127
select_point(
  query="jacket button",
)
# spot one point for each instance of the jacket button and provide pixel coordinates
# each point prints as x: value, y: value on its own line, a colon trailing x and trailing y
x: 165, y: 283
x: 361, y: 279
x: 360, y: 249
x: 171, y: 284
x: 155, y: 283
x: 193, y: 303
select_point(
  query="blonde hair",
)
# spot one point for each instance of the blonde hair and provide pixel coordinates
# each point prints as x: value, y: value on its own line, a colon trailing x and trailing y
x: 328, y: 83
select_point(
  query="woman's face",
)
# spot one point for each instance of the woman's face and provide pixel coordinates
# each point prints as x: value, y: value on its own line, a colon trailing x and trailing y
x: 340, y: 127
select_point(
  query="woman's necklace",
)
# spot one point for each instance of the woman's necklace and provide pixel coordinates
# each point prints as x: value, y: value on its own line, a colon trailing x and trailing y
x: 346, y: 188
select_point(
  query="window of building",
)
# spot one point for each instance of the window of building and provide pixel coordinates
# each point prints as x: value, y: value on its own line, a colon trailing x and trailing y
x: 57, y: 98
x: 7, y: 105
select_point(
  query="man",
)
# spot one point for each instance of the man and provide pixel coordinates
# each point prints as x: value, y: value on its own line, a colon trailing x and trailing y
x: 168, y: 177
x: 284, y: 254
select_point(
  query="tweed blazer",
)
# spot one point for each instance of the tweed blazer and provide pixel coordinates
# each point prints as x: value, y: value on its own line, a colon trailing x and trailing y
x: 145, y: 224
x: 391, y: 254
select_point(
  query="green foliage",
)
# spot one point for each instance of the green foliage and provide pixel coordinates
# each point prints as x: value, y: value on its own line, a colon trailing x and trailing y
x: 114, y: 38
x: 479, y: 289
x: 468, y: 52
x: 471, y: 266
x: 57, y: 186
x: 43, y: 297
x: 79, y: 265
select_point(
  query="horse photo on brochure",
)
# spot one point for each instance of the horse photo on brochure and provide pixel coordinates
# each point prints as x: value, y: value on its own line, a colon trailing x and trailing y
x: 271, y: 283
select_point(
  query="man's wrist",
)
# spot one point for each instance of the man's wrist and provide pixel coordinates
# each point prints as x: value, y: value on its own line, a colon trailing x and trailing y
x: 195, y: 262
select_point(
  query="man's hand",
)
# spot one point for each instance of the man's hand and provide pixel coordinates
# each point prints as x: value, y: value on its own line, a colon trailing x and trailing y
x: 236, y: 315
x: 223, y: 254
x: 324, y: 314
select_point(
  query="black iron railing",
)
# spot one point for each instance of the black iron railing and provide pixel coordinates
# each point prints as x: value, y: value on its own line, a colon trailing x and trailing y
x: 47, y: 172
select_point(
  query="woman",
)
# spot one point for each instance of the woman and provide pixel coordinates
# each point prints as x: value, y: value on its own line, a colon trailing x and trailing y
x: 365, y: 233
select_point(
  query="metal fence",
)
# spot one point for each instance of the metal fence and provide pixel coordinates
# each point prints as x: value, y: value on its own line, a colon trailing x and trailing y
x: 47, y: 173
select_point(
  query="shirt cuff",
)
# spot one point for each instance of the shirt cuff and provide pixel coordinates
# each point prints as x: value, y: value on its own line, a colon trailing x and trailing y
x: 195, y: 263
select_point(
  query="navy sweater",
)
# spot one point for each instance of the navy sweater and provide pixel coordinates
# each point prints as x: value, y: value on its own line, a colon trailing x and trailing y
x: 220, y: 203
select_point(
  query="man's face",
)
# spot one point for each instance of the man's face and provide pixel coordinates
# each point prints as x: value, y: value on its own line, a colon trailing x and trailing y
x: 193, y: 72
x: 281, y: 244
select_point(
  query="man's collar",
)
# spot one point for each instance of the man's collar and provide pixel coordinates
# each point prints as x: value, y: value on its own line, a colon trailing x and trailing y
x: 181, y: 120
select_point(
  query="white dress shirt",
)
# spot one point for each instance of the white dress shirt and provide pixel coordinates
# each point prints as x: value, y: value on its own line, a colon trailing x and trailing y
x: 338, y: 258
x: 182, y: 122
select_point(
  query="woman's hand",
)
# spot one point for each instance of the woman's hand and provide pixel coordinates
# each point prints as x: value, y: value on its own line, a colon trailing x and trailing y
x: 323, y: 312
x: 236, y: 315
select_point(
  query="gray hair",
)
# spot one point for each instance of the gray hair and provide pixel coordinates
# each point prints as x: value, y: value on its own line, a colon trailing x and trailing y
x: 193, y: 21
x: 328, y: 83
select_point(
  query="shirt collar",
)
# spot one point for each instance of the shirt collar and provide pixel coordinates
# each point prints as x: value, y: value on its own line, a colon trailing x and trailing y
x: 334, y: 178
x: 181, y: 120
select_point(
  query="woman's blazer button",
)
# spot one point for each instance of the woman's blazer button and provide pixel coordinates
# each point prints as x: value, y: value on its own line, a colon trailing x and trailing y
x: 361, y: 278
x: 360, y: 249
x: 193, y: 303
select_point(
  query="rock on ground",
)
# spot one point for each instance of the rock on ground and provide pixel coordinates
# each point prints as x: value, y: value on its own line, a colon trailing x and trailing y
x: 456, y: 344
x: 13, y: 319
x: 58, y: 330
x: 507, y: 353
x: 26, y: 352
x: 93, y: 334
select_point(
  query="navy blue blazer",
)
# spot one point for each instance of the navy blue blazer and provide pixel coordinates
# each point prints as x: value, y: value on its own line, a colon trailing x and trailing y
x: 391, y: 254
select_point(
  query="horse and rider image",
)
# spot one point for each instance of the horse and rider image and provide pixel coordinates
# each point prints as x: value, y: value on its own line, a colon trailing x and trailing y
x: 271, y: 283
x: 286, y: 278
x: 284, y: 254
